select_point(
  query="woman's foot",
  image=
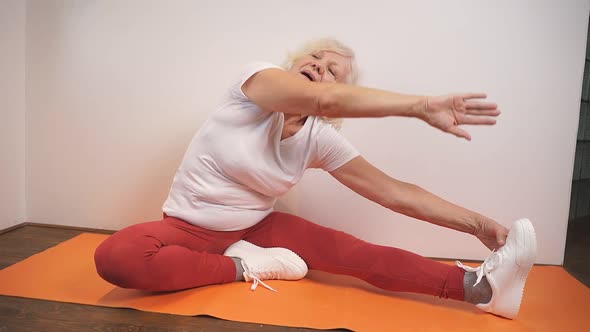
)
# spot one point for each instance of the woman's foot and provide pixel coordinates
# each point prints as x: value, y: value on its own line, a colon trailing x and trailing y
x: 266, y: 263
x: 506, y: 271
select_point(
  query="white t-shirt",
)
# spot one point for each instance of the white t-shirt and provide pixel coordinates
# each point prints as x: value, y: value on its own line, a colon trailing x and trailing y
x: 236, y: 165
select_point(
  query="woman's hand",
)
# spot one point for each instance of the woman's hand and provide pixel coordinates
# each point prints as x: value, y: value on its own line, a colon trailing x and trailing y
x: 491, y: 234
x: 448, y: 112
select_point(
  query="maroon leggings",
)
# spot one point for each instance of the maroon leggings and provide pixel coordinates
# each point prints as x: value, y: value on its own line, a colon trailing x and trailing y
x: 172, y: 254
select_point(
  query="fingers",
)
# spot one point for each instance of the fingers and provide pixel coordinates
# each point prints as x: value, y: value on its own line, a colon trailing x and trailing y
x: 501, y: 237
x: 476, y: 120
x: 479, y: 107
x: 472, y: 95
x: 471, y: 105
x: 484, y: 112
x: 459, y: 132
x: 501, y: 240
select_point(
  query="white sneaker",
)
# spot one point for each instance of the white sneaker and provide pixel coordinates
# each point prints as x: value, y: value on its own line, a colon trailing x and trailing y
x: 267, y: 263
x: 506, y: 270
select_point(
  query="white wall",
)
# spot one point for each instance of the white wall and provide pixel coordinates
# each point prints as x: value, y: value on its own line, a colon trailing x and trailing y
x: 12, y: 112
x: 116, y: 90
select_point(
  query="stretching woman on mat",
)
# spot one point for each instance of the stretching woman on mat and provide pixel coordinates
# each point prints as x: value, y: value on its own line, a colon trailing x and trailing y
x: 273, y: 124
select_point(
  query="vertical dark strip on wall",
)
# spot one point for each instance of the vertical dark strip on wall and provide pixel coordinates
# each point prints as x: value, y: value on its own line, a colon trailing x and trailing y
x: 580, y: 196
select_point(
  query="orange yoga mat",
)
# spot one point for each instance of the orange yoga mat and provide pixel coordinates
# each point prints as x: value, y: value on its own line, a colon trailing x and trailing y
x: 553, y: 300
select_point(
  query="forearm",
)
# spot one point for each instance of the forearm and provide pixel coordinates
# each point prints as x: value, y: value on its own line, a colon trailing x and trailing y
x: 348, y: 101
x: 418, y: 203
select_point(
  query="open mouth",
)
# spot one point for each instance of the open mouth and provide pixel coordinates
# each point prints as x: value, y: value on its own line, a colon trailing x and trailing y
x: 309, y: 77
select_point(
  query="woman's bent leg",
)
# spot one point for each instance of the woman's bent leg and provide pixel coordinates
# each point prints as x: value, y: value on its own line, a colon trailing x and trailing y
x: 166, y: 255
x: 333, y: 251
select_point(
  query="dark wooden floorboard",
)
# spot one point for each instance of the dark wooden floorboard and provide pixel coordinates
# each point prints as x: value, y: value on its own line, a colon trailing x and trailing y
x: 20, y: 314
x: 23, y: 242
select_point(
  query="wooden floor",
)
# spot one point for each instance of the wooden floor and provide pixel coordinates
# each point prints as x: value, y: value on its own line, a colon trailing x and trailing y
x: 18, y: 314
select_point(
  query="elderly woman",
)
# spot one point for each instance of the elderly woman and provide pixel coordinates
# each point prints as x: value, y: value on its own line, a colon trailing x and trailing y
x: 272, y: 125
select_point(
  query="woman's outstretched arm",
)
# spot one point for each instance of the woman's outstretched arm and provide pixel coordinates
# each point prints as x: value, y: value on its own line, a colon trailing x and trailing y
x: 276, y: 90
x: 413, y: 201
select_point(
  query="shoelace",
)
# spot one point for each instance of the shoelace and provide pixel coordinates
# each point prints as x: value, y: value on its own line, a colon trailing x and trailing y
x: 490, y: 263
x: 255, y: 279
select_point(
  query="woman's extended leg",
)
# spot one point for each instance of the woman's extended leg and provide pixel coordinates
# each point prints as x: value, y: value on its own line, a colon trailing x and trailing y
x: 333, y: 251
x: 166, y: 255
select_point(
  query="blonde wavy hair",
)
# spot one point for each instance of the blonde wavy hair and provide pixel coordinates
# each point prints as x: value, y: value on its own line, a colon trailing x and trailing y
x: 326, y: 44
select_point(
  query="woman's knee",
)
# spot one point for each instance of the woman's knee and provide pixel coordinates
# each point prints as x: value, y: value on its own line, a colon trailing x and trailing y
x: 105, y: 259
x: 115, y: 260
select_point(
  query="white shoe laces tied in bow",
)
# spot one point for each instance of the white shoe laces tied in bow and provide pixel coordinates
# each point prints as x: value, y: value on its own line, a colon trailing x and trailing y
x: 256, y: 280
x: 490, y: 263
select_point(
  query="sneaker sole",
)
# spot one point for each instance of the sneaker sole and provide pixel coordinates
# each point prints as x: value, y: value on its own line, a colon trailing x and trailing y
x: 529, y: 238
x: 525, y: 261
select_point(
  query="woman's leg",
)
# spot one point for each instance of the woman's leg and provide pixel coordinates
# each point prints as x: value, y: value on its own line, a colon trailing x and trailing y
x: 166, y: 255
x: 333, y: 251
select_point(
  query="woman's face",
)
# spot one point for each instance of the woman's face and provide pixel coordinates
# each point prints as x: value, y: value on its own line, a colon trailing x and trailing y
x: 323, y: 66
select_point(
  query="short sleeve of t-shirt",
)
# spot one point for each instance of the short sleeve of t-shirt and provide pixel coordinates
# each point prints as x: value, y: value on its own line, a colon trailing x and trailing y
x: 333, y: 150
x: 247, y: 72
